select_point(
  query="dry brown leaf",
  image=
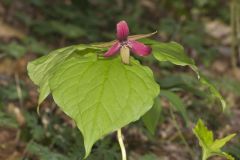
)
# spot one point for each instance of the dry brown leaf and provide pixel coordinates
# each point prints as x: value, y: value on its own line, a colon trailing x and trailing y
x: 2, y: 10
x: 15, y: 156
x: 220, y: 66
x: 236, y: 73
x: 151, y: 5
x: 7, y: 31
x: 7, y: 143
x: 7, y: 66
x: 219, y: 30
x: 13, y: 109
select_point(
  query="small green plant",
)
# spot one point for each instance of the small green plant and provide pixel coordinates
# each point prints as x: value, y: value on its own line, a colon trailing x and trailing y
x: 102, y: 91
x: 211, y: 147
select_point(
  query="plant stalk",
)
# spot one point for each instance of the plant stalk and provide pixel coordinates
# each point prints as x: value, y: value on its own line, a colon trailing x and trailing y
x: 181, y: 135
x: 121, y: 144
x: 234, y: 9
x: 204, y: 156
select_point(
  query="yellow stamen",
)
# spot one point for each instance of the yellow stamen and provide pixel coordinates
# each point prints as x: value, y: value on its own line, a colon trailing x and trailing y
x: 125, y: 54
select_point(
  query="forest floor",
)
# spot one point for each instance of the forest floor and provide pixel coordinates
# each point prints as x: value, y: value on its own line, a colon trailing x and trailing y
x: 19, y: 95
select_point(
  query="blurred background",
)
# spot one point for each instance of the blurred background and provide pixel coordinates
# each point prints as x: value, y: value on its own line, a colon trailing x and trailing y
x: 31, y: 28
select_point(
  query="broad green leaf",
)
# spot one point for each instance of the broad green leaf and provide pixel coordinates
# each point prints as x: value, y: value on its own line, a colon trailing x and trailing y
x: 174, y: 53
x: 38, y: 70
x: 210, y: 147
x: 42, y: 68
x: 177, y: 103
x: 151, y: 118
x: 102, y: 95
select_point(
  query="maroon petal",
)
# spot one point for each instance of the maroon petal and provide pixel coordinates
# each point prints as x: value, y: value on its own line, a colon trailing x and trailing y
x: 122, y: 30
x: 139, y: 48
x: 113, y: 50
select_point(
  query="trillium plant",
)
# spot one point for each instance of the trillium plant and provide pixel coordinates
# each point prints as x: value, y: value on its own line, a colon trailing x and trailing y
x: 103, y: 87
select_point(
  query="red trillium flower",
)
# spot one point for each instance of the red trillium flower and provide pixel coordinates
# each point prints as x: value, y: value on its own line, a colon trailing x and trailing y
x: 124, y: 44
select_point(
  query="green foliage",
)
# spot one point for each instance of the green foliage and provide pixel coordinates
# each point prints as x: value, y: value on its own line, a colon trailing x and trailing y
x: 210, y: 147
x: 45, y: 26
x: 13, y: 49
x: 60, y: 141
x: 97, y: 92
x: 151, y: 118
x: 9, y: 92
x: 44, y: 153
x: 41, y: 69
x: 176, y: 102
x: 233, y: 149
x: 102, y: 91
x: 213, y: 90
x: 187, y: 28
x: 34, y: 128
x: 185, y: 82
x: 91, y: 89
x: 6, y: 120
x: 34, y: 46
x: 19, y: 49
x: 44, y: 65
x: 174, y: 53
x: 182, y: 82
x: 149, y: 157
x: 171, y: 52
x: 57, y: 27
x: 191, y: 33
x: 228, y: 84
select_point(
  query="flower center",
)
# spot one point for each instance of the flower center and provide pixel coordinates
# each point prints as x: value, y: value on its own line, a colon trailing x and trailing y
x: 124, y: 43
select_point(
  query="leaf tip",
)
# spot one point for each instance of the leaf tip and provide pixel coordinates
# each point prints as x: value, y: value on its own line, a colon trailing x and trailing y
x: 88, y: 149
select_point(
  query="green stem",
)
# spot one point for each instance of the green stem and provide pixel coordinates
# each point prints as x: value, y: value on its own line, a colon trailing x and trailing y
x: 204, y: 156
x: 181, y: 135
x: 19, y: 90
x: 120, y: 141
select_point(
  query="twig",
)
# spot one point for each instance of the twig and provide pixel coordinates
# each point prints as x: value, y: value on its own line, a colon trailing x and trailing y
x: 120, y: 141
x: 234, y: 7
x: 238, y: 27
